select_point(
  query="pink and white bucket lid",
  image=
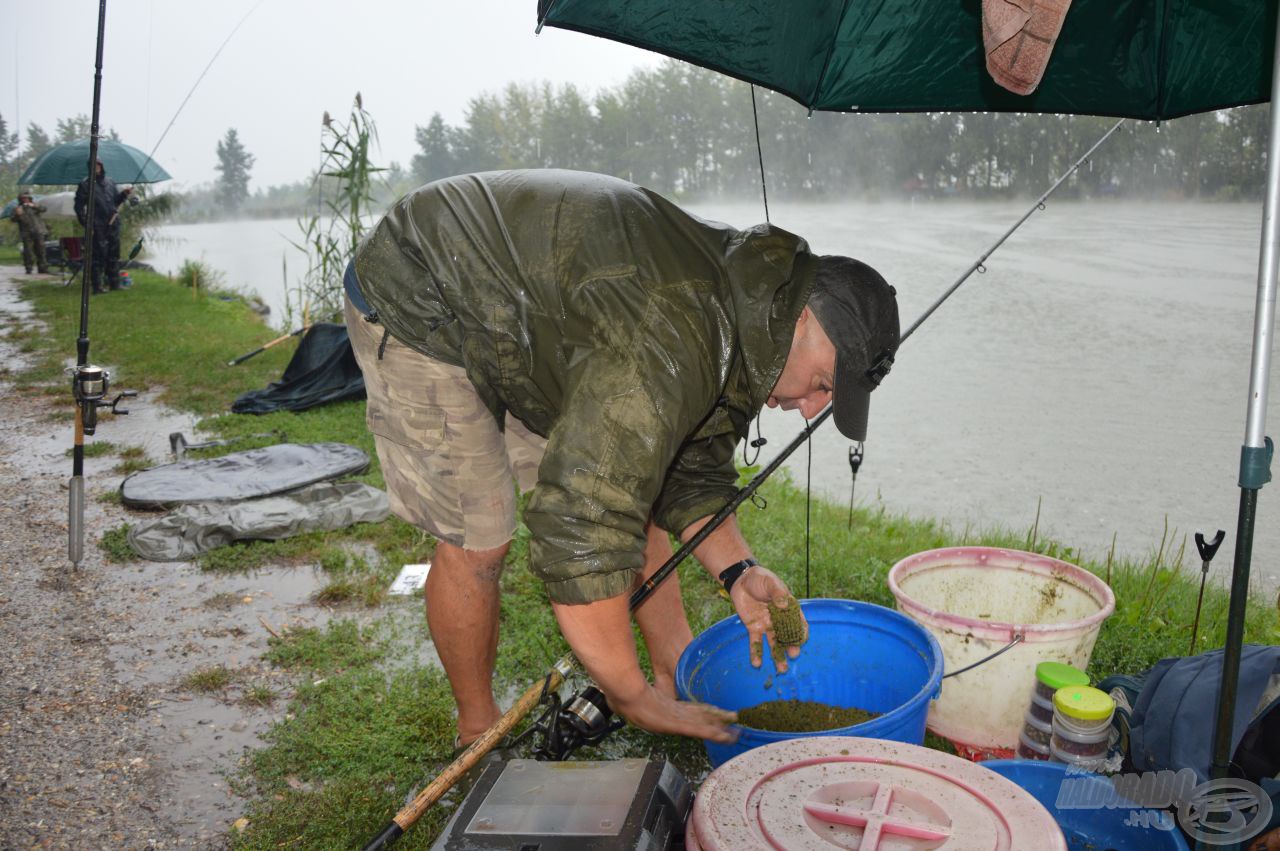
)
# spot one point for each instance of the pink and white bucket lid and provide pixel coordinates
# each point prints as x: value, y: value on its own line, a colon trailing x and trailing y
x: 816, y: 794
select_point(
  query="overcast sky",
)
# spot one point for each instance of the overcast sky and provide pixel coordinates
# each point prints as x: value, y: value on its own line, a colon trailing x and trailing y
x: 288, y: 63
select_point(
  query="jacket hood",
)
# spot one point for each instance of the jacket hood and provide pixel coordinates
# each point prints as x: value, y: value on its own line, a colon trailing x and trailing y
x: 767, y: 305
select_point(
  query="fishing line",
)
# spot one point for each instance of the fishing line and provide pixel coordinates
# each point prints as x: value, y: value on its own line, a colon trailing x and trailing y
x: 764, y: 192
x: 755, y: 120
x: 808, y: 501
x: 196, y: 85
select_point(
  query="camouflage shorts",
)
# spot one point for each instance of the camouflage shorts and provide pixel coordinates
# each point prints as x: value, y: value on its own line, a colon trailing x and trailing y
x: 448, y: 468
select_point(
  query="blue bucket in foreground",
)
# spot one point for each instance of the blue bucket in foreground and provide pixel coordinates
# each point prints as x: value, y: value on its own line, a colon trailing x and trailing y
x: 858, y: 655
x: 1100, y: 828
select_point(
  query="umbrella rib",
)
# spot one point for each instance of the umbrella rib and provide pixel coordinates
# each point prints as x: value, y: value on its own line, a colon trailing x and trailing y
x: 826, y: 63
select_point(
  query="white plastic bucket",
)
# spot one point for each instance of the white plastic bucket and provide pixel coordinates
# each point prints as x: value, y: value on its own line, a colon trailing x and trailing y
x: 976, y: 600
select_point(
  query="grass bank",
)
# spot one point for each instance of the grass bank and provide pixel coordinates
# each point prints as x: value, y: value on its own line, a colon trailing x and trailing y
x: 370, y: 720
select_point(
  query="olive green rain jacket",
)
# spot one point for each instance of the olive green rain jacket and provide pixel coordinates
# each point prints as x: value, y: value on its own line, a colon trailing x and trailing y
x: 640, y: 340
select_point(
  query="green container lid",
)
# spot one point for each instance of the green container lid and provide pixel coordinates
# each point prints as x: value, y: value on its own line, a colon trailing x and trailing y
x: 1057, y: 675
x: 1084, y: 703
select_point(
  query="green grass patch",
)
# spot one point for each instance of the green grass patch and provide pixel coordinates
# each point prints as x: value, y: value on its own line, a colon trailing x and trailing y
x: 208, y: 680
x: 367, y: 590
x: 96, y: 449
x: 114, y: 543
x: 111, y: 497
x: 341, y: 645
x: 357, y: 745
x: 259, y: 696
x: 131, y: 465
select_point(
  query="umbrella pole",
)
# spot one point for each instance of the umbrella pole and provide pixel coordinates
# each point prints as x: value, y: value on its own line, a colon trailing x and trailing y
x: 1255, y: 454
x: 84, y: 381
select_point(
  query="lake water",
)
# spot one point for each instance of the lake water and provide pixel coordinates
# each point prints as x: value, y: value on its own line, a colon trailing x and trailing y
x: 1100, y: 366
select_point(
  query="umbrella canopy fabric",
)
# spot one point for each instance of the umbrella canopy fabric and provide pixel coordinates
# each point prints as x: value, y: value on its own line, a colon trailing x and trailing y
x: 67, y: 164
x: 59, y: 204
x: 1148, y: 59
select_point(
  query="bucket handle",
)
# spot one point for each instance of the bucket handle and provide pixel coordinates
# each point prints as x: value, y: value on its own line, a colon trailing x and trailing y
x: 1017, y: 638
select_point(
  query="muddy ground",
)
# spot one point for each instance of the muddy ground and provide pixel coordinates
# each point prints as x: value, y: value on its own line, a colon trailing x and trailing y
x: 100, y: 745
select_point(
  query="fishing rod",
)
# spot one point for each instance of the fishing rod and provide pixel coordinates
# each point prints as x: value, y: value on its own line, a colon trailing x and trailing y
x: 194, y: 86
x: 244, y: 357
x: 412, y: 811
x: 90, y: 384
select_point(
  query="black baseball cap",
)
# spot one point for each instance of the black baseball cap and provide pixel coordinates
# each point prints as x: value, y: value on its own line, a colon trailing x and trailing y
x: 858, y: 311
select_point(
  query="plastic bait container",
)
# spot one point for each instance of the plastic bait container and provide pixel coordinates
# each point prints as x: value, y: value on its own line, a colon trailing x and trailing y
x: 1028, y: 749
x: 820, y: 793
x: 1051, y: 676
x: 1040, y: 709
x: 1037, y: 731
x: 1081, y: 726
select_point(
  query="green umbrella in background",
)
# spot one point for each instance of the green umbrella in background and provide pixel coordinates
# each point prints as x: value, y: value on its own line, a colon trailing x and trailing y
x: 1145, y: 59
x: 67, y: 164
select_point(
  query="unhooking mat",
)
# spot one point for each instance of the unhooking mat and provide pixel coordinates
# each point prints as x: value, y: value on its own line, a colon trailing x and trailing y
x: 241, y: 475
x: 198, y: 527
x: 322, y: 370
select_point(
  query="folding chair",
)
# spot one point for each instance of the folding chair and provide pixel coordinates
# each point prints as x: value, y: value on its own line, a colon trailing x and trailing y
x: 72, y: 257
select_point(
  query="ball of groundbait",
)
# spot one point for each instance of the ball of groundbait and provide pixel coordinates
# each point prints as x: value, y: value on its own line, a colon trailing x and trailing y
x: 788, y: 623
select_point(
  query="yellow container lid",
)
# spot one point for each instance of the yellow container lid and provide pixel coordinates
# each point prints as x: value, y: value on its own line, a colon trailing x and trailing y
x: 1084, y: 702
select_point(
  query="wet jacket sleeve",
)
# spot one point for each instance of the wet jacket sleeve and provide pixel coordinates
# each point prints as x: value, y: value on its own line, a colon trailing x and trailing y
x: 701, y: 481
x: 631, y: 400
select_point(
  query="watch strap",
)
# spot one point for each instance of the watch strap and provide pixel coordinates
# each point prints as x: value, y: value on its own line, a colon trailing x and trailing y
x: 730, y: 574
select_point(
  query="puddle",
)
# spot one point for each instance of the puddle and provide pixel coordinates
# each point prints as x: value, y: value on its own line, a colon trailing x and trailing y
x: 172, y: 631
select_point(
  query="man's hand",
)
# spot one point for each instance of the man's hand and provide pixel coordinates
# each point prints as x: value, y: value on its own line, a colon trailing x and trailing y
x: 653, y: 711
x: 600, y: 635
x: 751, y: 595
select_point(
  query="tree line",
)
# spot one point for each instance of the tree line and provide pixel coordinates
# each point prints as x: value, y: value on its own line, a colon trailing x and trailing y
x: 684, y: 130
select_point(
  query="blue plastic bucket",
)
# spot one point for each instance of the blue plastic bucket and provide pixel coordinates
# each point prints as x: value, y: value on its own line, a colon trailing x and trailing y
x: 1100, y: 828
x: 858, y: 655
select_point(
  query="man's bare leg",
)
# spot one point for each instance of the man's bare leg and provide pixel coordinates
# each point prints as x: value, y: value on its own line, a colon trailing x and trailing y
x: 462, y: 613
x: 662, y: 618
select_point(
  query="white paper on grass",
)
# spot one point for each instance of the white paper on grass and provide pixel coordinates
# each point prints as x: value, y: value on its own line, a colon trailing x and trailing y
x: 411, y: 579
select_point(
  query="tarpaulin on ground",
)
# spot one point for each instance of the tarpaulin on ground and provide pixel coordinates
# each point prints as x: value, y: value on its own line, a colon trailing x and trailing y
x: 196, y: 528
x: 322, y: 370
x: 241, y: 475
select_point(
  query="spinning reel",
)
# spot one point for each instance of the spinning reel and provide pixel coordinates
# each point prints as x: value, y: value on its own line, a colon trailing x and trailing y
x: 89, y: 386
x: 584, y: 719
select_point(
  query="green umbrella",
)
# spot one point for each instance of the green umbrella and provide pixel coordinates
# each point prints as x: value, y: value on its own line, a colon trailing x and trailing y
x: 1149, y: 59
x: 67, y: 164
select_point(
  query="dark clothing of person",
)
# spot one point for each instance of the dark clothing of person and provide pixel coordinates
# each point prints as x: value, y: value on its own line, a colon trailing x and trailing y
x: 640, y: 340
x: 107, y: 198
x: 33, y: 232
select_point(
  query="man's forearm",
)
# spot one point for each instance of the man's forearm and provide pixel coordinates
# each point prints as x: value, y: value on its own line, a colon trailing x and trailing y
x: 723, y: 547
x: 600, y: 635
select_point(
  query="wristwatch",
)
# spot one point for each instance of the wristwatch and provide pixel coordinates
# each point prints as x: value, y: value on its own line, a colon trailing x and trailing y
x: 730, y: 574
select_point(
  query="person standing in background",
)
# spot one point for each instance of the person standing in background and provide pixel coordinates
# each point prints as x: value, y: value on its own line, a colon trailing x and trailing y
x: 32, y: 229
x: 107, y: 198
